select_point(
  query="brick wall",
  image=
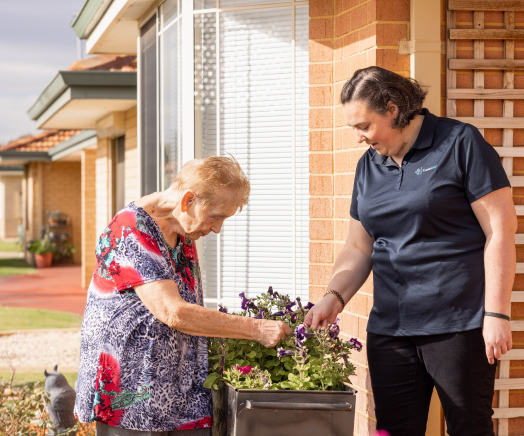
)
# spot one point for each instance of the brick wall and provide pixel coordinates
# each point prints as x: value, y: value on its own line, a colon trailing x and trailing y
x: 345, y: 35
x: 89, y: 236
x: 102, y: 186
x: 11, y: 207
x: 62, y: 191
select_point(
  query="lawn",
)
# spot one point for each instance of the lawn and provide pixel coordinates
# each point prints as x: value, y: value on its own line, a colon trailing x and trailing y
x: 16, y: 318
x: 11, y: 267
x: 10, y: 246
x: 24, y: 378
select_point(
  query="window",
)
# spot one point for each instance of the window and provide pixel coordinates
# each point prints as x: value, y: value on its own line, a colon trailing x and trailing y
x: 233, y: 78
x: 148, y: 109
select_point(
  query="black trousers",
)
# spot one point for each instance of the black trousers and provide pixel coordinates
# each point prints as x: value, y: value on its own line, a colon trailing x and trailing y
x: 405, y: 369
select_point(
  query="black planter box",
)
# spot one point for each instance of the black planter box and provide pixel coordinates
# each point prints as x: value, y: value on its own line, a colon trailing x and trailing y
x: 258, y: 412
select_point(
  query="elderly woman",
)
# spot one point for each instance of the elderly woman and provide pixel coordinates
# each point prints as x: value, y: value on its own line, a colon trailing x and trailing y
x: 143, y: 357
x: 432, y: 215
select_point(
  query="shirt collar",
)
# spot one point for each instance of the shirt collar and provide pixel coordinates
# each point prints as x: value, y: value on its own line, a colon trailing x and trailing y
x: 424, y: 138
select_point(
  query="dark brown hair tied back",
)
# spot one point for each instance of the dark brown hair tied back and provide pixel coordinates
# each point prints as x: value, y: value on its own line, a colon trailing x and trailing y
x: 376, y: 87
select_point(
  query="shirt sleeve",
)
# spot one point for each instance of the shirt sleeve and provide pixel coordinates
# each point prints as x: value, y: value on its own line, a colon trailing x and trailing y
x: 353, y: 210
x: 133, y: 256
x: 479, y: 164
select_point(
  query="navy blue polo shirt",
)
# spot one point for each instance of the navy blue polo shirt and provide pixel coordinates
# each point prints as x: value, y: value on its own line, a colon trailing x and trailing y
x: 428, y: 254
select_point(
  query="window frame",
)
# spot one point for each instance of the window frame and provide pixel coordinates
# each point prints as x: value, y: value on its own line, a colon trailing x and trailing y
x: 188, y: 147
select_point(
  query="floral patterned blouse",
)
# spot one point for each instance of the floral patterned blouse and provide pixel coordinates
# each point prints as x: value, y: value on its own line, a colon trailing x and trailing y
x: 136, y: 372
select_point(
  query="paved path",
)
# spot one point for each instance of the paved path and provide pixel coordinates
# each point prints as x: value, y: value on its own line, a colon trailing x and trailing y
x: 35, y: 351
x: 55, y: 288
x: 11, y: 255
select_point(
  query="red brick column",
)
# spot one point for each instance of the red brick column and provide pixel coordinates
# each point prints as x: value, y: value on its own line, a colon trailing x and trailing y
x: 345, y: 35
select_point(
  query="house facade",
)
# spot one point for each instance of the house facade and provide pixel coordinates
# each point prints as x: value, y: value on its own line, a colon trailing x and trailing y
x: 261, y: 79
x: 46, y: 183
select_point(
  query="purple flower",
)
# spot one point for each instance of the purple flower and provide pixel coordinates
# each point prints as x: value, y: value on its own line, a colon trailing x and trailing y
x: 243, y: 305
x: 245, y: 369
x: 246, y: 302
x: 267, y: 385
x: 278, y: 314
x: 260, y: 314
x: 270, y: 291
x: 345, y: 357
x: 309, y: 306
x: 334, y: 331
x: 301, y: 333
x: 299, y: 303
x: 281, y: 353
x: 222, y: 309
x: 222, y: 361
x: 303, y: 353
x: 289, y: 306
x: 356, y: 344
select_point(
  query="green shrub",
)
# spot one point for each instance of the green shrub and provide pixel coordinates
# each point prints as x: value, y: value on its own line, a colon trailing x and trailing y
x: 41, y: 246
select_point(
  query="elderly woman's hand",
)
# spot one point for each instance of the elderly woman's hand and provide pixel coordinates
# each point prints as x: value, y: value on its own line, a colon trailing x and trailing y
x: 272, y: 332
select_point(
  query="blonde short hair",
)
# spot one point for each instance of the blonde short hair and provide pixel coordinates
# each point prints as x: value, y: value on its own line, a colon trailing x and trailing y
x: 209, y: 175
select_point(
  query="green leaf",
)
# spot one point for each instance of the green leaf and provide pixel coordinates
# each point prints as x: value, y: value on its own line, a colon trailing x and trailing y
x: 211, y: 379
x: 270, y: 352
x: 252, y: 354
x: 231, y: 355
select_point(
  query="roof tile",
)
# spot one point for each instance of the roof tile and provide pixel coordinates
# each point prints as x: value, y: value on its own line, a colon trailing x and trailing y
x: 42, y: 141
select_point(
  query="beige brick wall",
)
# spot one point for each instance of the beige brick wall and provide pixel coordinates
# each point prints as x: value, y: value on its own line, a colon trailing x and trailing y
x: 88, y: 208
x: 345, y: 35
x: 35, y: 206
x: 131, y: 161
x: 11, y: 207
x: 62, y: 191
x: 102, y: 184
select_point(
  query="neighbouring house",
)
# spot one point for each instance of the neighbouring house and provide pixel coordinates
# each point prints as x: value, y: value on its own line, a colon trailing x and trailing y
x: 96, y: 96
x: 47, y: 181
x: 260, y: 79
x: 10, y: 202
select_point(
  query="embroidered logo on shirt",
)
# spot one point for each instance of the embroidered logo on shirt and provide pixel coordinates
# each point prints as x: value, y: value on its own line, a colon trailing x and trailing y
x: 423, y: 170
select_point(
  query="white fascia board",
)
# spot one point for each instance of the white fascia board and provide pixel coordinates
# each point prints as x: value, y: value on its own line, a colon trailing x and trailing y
x: 115, y: 25
x: 58, y: 104
x: 110, y: 19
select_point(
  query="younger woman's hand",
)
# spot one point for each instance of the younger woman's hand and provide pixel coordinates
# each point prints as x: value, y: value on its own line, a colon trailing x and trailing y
x: 497, y: 337
x: 324, y: 312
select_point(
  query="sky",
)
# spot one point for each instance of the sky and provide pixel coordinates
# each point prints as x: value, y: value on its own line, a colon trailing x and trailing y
x: 36, y: 41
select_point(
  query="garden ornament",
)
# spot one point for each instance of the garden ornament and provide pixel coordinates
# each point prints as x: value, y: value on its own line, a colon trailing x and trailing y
x: 62, y: 400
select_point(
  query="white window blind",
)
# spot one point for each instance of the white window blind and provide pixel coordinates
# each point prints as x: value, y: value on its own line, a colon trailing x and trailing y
x: 256, y: 104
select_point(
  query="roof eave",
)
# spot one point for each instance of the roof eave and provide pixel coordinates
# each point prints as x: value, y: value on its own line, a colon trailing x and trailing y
x: 25, y: 156
x: 89, y: 16
x: 76, y: 143
x: 82, y: 85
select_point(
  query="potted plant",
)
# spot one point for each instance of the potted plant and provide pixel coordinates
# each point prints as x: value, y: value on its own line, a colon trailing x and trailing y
x: 299, y: 387
x: 42, y: 250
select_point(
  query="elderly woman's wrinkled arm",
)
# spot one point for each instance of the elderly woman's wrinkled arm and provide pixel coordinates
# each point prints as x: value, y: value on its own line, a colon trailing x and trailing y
x: 164, y: 301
